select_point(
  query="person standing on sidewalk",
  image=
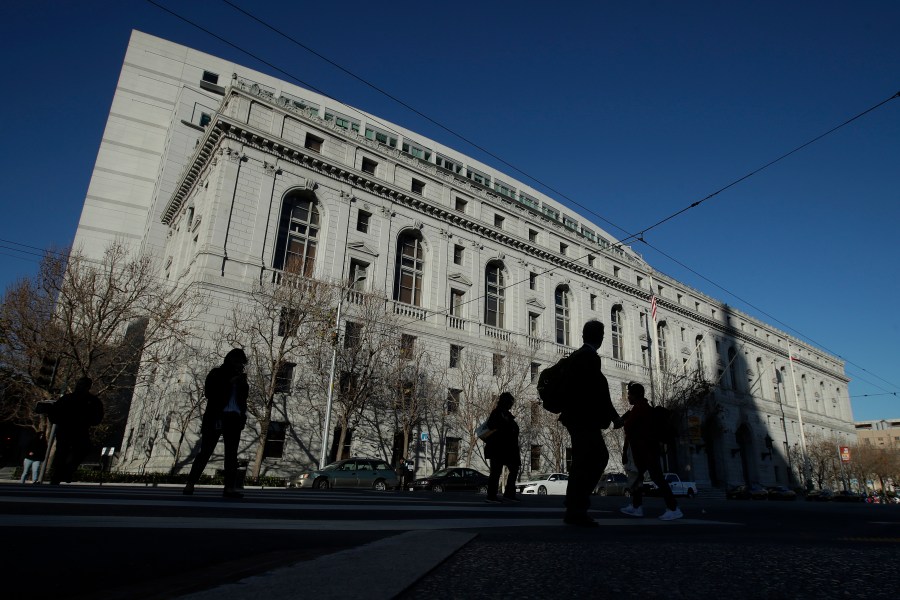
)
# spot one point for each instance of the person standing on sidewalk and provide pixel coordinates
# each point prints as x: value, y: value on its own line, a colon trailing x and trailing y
x: 640, y: 438
x: 226, y: 391
x: 35, y: 453
x: 74, y: 414
x: 501, y: 448
x: 588, y: 413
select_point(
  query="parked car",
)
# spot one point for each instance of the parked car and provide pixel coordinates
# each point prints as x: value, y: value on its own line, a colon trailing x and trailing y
x: 753, y: 491
x: 848, y: 496
x: 553, y: 484
x: 349, y: 473
x: 678, y: 486
x: 780, y: 492
x: 613, y: 484
x: 823, y: 495
x: 454, y: 479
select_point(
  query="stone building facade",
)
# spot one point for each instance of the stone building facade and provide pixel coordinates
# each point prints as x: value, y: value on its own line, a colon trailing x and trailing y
x: 225, y: 174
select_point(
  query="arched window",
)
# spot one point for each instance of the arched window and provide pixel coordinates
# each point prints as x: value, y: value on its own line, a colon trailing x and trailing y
x: 615, y: 332
x: 733, y: 368
x: 661, y: 337
x: 298, y: 234
x: 698, y: 345
x: 495, y: 289
x: 562, y: 316
x: 410, y: 264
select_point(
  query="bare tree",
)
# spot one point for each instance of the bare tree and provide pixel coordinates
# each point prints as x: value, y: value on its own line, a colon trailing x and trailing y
x: 274, y: 324
x: 101, y: 318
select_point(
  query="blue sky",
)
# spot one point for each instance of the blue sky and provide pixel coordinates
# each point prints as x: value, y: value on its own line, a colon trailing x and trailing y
x: 634, y: 110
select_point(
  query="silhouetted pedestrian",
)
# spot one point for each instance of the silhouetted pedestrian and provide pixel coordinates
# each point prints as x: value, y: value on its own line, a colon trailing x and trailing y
x: 74, y: 414
x: 226, y: 391
x: 640, y: 438
x: 587, y: 413
x: 501, y: 448
x: 35, y: 453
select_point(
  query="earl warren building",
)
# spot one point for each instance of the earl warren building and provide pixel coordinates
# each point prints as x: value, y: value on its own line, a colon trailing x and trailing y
x: 225, y: 174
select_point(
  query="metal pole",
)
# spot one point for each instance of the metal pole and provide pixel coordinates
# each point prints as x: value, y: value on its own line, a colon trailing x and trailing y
x: 806, y: 469
x: 328, y: 402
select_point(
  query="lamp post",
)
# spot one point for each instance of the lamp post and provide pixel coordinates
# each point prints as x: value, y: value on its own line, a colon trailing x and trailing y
x: 337, y: 329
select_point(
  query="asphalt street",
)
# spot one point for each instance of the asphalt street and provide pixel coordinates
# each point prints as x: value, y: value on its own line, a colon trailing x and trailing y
x: 140, y: 542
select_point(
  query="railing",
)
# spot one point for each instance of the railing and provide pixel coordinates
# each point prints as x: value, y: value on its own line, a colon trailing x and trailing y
x: 457, y: 323
x: 629, y: 367
x: 408, y: 310
x: 495, y: 333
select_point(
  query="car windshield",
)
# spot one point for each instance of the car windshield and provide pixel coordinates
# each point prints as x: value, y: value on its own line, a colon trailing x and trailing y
x: 441, y: 473
x: 541, y: 476
x: 332, y: 466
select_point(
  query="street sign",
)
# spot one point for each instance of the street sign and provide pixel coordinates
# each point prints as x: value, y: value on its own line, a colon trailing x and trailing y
x: 424, y: 436
x: 845, y: 454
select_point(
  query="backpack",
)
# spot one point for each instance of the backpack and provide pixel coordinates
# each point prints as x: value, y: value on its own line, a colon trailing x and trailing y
x: 664, y: 430
x: 553, y: 386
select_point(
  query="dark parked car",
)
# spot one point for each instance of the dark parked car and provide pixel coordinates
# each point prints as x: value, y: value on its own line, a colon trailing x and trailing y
x: 848, y: 496
x: 823, y: 495
x: 613, y: 484
x: 754, y: 491
x: 780, y: 492
x: 349, y: 473
x: 454, y: 479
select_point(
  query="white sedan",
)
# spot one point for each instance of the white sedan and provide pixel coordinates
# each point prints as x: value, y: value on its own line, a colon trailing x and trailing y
x: 545, y: 483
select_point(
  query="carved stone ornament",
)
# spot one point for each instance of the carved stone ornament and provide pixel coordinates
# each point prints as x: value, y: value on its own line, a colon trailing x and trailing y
x: 418, y: 224
x: 387, y: 212
x: 270, y: 170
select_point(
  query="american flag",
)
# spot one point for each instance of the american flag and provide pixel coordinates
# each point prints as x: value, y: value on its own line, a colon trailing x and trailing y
x: 653, y: 308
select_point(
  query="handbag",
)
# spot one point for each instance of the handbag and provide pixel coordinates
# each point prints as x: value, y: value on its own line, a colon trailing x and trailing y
x: 482, y: 431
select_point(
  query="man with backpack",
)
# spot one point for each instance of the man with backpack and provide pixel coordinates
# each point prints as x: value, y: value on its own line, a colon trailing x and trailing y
x: 643, y: 432
x: 587, y: 410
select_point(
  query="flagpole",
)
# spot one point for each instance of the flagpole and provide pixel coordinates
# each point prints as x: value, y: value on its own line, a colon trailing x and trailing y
x: 799, y: 419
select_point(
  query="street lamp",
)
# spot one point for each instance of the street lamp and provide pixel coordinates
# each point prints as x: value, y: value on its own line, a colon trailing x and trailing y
x: 337, y: 329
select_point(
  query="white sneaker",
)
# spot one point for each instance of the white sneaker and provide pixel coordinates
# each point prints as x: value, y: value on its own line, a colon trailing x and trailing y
x: 671, y: 515
x: 631, y: 511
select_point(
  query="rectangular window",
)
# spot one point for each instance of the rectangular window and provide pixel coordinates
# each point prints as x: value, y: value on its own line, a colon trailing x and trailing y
x: 407, y: 345
x: 593, y: 301
x: 535, y: 371
x: 452, y: 451
x: 532, y: 235
x: 358, y: 273
x: 275, y: 436
x: 563, y: 248
x: 455, y: 354
x: 478, y: 177
x: 551, y: 213
x: 415, y: 150
x: 458, y: 254
x: 570, y: 223
x: 205, y: 119
x: 460, y: 204
x: 616, y: 271
x: 368, y: 166
x: 453, y: 401
x: 456, y: 302
x: 533, y: 324
x: 498, y: 221
x: 362, y: 221
x: 535, y: 457
x: 353, y: 335
x: 210, y: 77
x: 418, y: 187
x: 313, y: 143
x: 381, y: 137
x: 284, y: 378
x: 497, y: 364
x: 590, y: 260
x: 532, y: 281
x: 342, y: 121
x: 529, y: 201
x: 288, y: 322
x: 445, y: 163
x: 624, y: 391
x: 503, y: 189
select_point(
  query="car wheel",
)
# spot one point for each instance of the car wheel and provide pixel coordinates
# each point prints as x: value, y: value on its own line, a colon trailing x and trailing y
x: 482, y: 490
x: 603, y: 492
x: 380, y: 485
x: 542, y: 491
x: 321, y: 484
x: 690, y: 493
x: 437, y: 488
